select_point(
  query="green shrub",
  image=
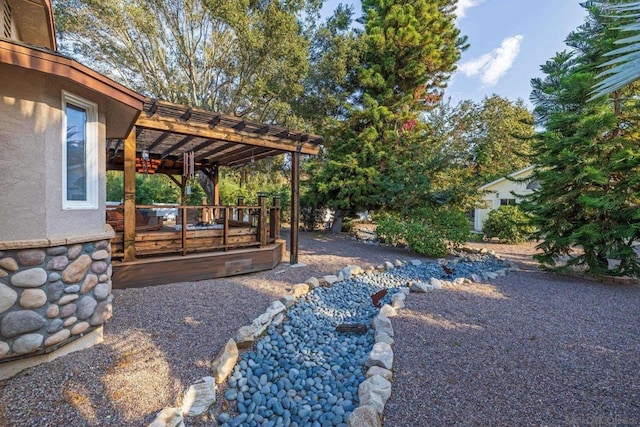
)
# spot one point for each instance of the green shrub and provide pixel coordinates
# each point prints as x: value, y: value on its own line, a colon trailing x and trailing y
x: 428, y: 232
x: 347, y: 226
x: 390, y: 229
x: 312, y: 217
x: 509, y: 224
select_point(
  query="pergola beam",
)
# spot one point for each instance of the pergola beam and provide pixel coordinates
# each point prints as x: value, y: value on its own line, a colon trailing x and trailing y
x: 203, y: 130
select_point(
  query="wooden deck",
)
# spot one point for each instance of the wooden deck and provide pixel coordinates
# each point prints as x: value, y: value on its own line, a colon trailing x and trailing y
x: 199, y: 266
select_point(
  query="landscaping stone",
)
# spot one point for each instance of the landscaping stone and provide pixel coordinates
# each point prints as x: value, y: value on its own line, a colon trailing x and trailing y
x: 89, y: 283
x: 476, y: 278
x: 382, y: 336
x: 199, y: 396
x: 435, y: 283
x: 388, y: 265
x: 58, y: 263
x: 245, y: 336
x: 52, y: 311
x: 54, y: 326
x: 79, y: 328
x: 86, y: 306
x: 313, y: 282
x: 74, y: 251
x: 300, y: 289
x: 377, y: 370
x: 70, y: 321
x: 305, y: 372
x: 9, y: 264
x: 77, y: 269
x: 287, y: 300
x: 331, y: 279
x: 100, y: 255
x: 102, y: 291
x: 73, y: 289
x: 7, y: 297
x: 365, y: 416
x: 168, y: 417
x: 57, y: 338
x: 388, y: 311
x: 374, y: 391
x: 421, y: 287
x: 4, y: 348
x: 382, y: 324
x: 66, y: 299
x: 102, y: 313
x: 99, y: 267
x: 32, y: 278
x: 57, y: 250
x: 55, y: 291
x: 416, y: 262
x: 223, y: 364
x: 27, y: 343
x: 31, y: 257
x: 33, y: 298
x: 67, y: 310
x: 20, y: 322
x: 381, y: 355
x: 54, y: 276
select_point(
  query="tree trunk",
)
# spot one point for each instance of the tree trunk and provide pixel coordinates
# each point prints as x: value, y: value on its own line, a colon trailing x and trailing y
x: 336, y: 226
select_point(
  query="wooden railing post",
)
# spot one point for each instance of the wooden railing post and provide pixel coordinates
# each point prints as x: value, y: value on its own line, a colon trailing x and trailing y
x: 274, y: 221
x: 262, y: 219
x: 240, y: 210
x: 225, y: 227
x: 184, y: 229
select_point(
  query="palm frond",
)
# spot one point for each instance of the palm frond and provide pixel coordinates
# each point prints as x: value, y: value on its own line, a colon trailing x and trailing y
x: 625, y: 67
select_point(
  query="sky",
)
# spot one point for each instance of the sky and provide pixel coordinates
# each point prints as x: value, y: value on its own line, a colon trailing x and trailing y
x: 509, y: 41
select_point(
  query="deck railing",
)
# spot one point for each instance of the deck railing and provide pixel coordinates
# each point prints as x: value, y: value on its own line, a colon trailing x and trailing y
x: 170, y: 229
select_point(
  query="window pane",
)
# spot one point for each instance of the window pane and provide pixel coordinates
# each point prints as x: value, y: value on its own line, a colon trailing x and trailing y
x: 76, y: 153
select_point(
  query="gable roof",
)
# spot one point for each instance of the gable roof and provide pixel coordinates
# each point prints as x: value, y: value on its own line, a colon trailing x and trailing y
x: 508, y: 177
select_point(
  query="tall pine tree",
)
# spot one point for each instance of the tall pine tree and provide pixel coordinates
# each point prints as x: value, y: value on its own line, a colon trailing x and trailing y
x: 589, y: 160
x: 379, y: 150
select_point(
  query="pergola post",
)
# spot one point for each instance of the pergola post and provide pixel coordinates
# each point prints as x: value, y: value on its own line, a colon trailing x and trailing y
x: 295, y: 204
x: 130, y: 197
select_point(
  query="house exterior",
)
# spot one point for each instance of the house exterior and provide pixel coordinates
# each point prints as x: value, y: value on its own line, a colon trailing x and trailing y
x: 501, y: 192
x: 62, y: 125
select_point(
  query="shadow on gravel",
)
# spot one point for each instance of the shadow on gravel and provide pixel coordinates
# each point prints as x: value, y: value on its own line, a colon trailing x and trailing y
x: 528, y: 349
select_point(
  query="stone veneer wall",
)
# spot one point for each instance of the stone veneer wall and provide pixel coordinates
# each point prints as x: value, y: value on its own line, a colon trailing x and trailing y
x: 50, y: 296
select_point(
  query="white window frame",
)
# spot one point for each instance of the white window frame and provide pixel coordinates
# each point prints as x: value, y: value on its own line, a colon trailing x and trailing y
x: 91, y: 152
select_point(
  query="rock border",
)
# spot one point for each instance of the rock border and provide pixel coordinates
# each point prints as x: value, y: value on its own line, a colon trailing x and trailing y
x: 373, y: 393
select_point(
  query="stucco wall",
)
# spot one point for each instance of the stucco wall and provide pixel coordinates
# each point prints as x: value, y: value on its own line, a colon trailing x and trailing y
x: 31, y: 160
x: 500, y: 190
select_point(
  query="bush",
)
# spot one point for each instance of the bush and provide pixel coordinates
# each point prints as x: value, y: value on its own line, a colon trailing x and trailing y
x: 509, y: 224
x: 428, y: 232
x: 312, y: 217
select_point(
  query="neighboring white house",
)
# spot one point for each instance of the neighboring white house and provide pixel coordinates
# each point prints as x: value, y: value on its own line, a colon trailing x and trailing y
x: 501, y: 192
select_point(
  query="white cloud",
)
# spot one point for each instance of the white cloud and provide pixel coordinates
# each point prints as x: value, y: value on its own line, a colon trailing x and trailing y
x: 493, y: 65
x: 463, y: 5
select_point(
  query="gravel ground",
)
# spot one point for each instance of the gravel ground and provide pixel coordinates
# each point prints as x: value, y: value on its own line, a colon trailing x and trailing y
x: 161, y: 339
x: 531, y: 349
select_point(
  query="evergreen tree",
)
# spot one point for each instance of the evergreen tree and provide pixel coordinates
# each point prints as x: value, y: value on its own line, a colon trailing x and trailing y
x: 588, y: 158
x: 381, y: 148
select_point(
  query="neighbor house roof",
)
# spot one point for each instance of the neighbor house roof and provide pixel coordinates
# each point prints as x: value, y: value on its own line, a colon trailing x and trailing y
x: 509, y: 177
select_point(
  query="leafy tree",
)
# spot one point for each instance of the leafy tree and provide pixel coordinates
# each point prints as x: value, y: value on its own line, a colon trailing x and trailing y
x: 503, y: 143
x: 242, y: 58
x: 588, y: 159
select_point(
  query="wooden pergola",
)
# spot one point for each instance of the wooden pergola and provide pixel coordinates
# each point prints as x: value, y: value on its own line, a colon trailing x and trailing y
x: 172, y: 139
